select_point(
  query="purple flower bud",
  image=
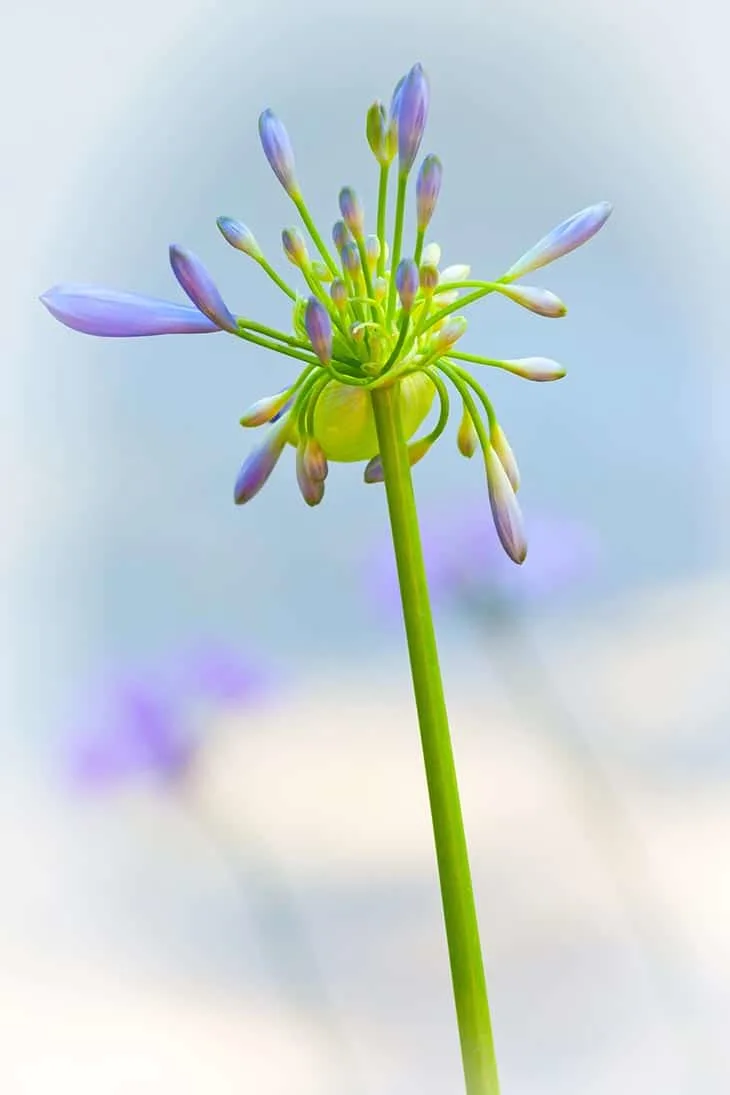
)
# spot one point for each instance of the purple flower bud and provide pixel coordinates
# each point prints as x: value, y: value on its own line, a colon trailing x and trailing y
x: 338, y: 292
x: 428, y: 186
x: 239, y: 236
x: 467, y: 438
x: 261, y: 461
x: 407, y: 283
x: 503, y: 449
x: 428, y: 278
x: 198, y: 284
x: 505, y: 508
x: 411, y: 110
x: 351, y: 259
x: 341, y: 235
x: 295, y: 248
x: 312, y: 490
x: 265, y: 410
x: 278, y: 151
x: 572, y: 233
x: 315, y: 462
x: 451, y: 332
x: 114, y: 314
x: 396, y: 97
x: 375, y: 130
x: 534, y: 368
x: 540, y: 301
x: 319, y: 328
x: 352, y: 211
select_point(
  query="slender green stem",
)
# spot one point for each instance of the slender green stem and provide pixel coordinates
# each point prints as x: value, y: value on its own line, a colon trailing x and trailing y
x: 420, y: 235
x: 400, y: 205
x: 382, y: 204
x: 462, y: 930
x: 457, y: 304
x: 275, y: 277
x: 317, y: 239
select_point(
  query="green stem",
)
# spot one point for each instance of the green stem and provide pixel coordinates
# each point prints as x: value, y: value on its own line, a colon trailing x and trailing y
x: 400, y: 205
x: 317, y: 239
x: 462, y: 930
x: 382, y: 203
x: 269, y: 269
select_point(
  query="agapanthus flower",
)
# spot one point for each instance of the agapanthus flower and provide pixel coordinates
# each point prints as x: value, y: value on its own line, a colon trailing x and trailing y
x: 140, y: 722
x: 370, y: 315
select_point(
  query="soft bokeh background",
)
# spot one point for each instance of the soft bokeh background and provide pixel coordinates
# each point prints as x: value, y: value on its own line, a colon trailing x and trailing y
x: 132, y: 957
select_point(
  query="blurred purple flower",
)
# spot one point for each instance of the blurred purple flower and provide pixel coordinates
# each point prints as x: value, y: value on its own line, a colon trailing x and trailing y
x: 464, y: 559
x: 142, y: 723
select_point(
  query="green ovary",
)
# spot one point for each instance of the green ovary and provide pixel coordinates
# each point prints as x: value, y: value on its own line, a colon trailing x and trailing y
x: 343, y: 418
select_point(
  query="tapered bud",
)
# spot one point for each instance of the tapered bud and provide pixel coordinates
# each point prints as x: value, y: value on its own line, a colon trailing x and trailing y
x: 572, y: 233
x: 372, y: 250
x: 111, y: 313
x: 261, y: 461
x: 467, y: 438
x: 341, y: 235
x: 199, y: 286
x: 315, y: 462
x: 431, y: 255
x: 265, y: 410
x: 239, y: 236
x: 505, y: 508
x: 429, y: 278
x: 416, y: 451
x: 406, y: 282
x: 459, y: 271
x: 278, y: 151
x: 380, y: 288
x: 351, y: 259
x: 502, y: 447
x: 376, y: 129
x: 451, y: 332
x: 295, y: 248
x: 338, y: 292
x: 312, y: 490
x: 411, y: 111
x: 321, y: 271
x: 534, y: 368
x: 540, y: 301
x: 319, y: 328
x: 428, y: 186
x: 352, y: 211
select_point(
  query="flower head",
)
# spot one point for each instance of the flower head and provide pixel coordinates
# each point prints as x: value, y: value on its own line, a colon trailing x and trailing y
x: 357, y: 323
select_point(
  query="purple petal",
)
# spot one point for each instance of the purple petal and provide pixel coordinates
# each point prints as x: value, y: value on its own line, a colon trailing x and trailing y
x: 572, y: 233
x: 260, y: 462
x: 115, y: 314
x: 199, y: 286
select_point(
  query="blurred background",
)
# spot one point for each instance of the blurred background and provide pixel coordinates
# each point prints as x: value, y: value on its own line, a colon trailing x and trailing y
x: 217, y: 868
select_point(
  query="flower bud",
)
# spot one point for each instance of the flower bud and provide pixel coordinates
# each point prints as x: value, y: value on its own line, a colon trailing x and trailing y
x: 431, y: 255
x: 375, y: 127
x: 540, y: 301
x: 265, y: 410
x: 411, y: 111
x: 278, y: 151
x: 295, y: 248
x: 505, y: 508
x: 338, y: 292
x: 406, y: 282
x: 315, y: 462
x: 502, y: 447
x: 459, y: 271
x: 261, y: 461
x: 312, y: 490
x: 340, y: 235
x: 428, y: 186
x: 351, y: 259
x: 372, y: 250
x: 428, y: 278
x: 239, y: 236
x: 446, y: 336
x: 352, y: 212
x: 321, y: 271
x: 572, y: 233
x: 534, y: 368
x: 319, y: 328
x: 111, y: 313
x: 467, y: 438
x: 199, y: 286
x: 380, y: 289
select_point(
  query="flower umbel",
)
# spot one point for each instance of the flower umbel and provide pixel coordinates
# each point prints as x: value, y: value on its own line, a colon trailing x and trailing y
x: 360, y: 325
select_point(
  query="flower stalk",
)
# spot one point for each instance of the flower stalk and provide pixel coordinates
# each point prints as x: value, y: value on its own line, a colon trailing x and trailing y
x: 460, y: 918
